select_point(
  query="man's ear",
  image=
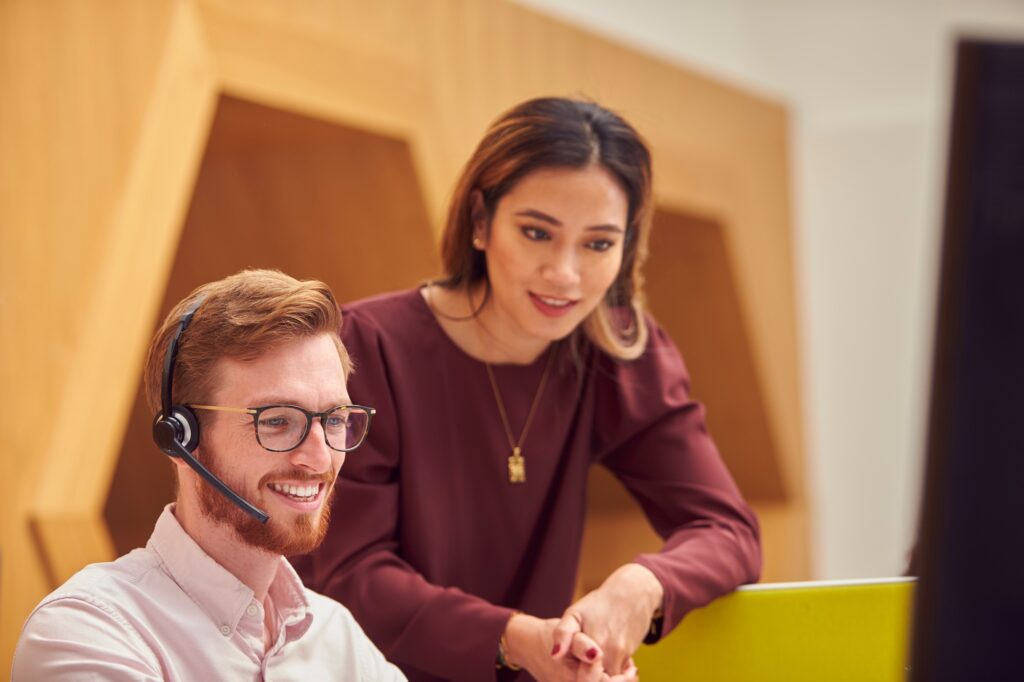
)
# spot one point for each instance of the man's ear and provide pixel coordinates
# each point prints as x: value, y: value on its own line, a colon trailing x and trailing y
x: 182, y: 465
x: 478, y: 215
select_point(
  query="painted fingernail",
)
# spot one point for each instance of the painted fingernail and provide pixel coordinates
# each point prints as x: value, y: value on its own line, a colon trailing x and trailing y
x: 558, y: 647
x: 592, y: 652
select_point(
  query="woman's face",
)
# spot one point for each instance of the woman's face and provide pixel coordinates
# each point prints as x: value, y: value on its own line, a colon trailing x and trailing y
x: 553, y: 250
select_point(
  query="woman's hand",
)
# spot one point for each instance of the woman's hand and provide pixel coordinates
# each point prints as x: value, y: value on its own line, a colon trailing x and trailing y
x: 630, y: 674
x: 529, y: 643
x: 616, y: 616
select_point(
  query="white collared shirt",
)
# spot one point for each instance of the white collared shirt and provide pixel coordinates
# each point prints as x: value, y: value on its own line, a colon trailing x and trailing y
x: 170, y: 612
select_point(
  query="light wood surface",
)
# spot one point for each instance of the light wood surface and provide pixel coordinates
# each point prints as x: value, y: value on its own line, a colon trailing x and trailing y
x: 109, y: 210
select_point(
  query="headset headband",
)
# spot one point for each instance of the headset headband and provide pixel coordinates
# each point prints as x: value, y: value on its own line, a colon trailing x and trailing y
x: 172, y: 356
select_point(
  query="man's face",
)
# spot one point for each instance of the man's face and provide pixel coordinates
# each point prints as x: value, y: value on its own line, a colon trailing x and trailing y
x: 306, y: 372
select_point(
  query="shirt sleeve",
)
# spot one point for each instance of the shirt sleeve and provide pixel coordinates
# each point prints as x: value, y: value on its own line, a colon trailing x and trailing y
x: 442, y: 631
x: 75, y: 639
x: 659, y: 447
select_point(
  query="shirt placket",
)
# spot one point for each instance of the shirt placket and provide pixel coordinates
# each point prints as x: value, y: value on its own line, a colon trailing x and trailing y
x: 250, y: 631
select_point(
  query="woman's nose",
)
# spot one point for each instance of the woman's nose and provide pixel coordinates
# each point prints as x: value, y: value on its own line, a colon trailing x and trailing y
x: 562, y: 269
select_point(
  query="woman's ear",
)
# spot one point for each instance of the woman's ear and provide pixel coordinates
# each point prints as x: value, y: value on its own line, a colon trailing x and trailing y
x: 478, y: 215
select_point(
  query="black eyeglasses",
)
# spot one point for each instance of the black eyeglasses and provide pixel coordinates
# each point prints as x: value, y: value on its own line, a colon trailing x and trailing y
x: 280, y: 428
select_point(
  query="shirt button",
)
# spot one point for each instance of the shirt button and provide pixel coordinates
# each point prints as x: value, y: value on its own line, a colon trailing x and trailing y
x: 252, y: 610
x: 225, y: 630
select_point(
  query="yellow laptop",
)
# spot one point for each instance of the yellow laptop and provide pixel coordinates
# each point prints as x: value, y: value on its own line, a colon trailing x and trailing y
x: 855, y: 630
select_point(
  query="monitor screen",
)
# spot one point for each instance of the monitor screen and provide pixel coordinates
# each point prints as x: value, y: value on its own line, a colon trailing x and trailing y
x: 969, y: 612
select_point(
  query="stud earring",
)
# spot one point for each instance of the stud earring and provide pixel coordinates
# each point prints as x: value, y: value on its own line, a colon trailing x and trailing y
x: 478, y: 243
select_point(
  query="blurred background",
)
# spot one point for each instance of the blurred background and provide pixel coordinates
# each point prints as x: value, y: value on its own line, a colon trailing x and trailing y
x: 146, y: 148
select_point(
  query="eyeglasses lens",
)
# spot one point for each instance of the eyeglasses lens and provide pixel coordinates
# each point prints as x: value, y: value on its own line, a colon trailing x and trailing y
x: 281, y: 428
x: 345, y: 427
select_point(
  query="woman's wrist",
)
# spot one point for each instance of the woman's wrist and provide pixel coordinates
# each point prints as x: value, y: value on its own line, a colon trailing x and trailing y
x: 637, y: 582
x: 510, y: 643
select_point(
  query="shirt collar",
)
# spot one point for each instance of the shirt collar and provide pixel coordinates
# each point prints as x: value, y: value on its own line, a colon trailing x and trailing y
x: 215, y: 590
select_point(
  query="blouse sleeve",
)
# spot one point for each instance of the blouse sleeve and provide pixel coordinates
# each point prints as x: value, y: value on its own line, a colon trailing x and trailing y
x: 657, y: 444
x: 442, y: 631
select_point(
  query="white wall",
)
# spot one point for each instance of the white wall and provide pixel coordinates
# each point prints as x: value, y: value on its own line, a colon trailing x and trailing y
x: 867, y: 82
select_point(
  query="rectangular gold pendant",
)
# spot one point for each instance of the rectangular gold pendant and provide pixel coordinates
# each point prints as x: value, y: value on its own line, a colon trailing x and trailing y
x: 516, y: 467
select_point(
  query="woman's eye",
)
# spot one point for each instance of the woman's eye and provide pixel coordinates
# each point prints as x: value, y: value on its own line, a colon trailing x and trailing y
x: 600, y: 244
x: 536, y: 234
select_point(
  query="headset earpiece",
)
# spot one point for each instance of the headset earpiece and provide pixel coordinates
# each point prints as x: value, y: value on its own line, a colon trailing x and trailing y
x: 190, y: 426
x: 180, y: 430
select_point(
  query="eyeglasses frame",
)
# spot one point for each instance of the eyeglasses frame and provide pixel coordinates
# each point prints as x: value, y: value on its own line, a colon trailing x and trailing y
x: 257, y: 411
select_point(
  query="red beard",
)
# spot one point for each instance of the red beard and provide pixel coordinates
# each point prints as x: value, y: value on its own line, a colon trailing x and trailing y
x: 303, y: 535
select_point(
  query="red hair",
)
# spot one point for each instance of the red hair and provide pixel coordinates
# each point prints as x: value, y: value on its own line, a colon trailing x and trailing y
x: 240, y: 317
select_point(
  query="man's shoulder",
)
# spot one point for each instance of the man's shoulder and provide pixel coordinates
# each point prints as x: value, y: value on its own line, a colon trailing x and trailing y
x: 88, y: 618
x: 103, y: 589
x: 108, y: 581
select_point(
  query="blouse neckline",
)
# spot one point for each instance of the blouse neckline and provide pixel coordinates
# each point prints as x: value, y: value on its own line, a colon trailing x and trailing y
x: 423, y: 307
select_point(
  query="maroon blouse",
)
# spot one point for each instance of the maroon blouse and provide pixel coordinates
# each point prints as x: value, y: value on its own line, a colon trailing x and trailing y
x: 431, y: 547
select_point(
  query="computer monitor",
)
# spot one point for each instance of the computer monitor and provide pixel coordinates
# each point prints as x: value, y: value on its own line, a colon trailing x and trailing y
x: 968, y: 621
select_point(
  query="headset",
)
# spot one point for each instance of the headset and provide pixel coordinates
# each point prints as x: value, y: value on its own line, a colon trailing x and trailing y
x: 176, y: 428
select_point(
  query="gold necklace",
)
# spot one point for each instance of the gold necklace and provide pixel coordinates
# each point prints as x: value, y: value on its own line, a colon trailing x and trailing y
x: 516, y: 462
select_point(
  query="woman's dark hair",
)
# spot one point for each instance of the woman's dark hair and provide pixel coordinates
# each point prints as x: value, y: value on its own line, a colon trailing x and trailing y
x: 560, y: 133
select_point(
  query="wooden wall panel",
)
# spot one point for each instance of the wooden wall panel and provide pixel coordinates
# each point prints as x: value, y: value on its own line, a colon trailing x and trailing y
x: 77, y: 86
x: 106, y: 111
x: 691, y: 289
x: 143, y: 224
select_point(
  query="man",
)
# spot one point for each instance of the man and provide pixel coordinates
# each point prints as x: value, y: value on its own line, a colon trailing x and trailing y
x: 248, y: 379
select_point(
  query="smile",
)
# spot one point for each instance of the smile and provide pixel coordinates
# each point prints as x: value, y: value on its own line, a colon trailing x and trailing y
x: 305, y: 493
x: 552, y: 307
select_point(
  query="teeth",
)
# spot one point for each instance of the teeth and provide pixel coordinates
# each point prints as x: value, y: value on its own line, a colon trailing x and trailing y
x: 558, y: 303
x: 297, y: 490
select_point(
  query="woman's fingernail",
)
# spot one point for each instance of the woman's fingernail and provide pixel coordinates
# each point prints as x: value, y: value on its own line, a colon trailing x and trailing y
x: 591, y: 652
x: 558, y: 647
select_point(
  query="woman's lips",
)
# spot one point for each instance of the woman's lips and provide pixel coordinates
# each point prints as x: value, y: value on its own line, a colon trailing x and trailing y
x: 552, y: 306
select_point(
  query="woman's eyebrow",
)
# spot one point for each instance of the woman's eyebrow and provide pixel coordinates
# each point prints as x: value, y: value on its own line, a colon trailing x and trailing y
x: 606, y: 228
x: 555, y: 222
x: 539, y: 215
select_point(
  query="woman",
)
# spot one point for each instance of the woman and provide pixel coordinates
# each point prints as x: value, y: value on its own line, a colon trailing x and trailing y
x: 458, y: 526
